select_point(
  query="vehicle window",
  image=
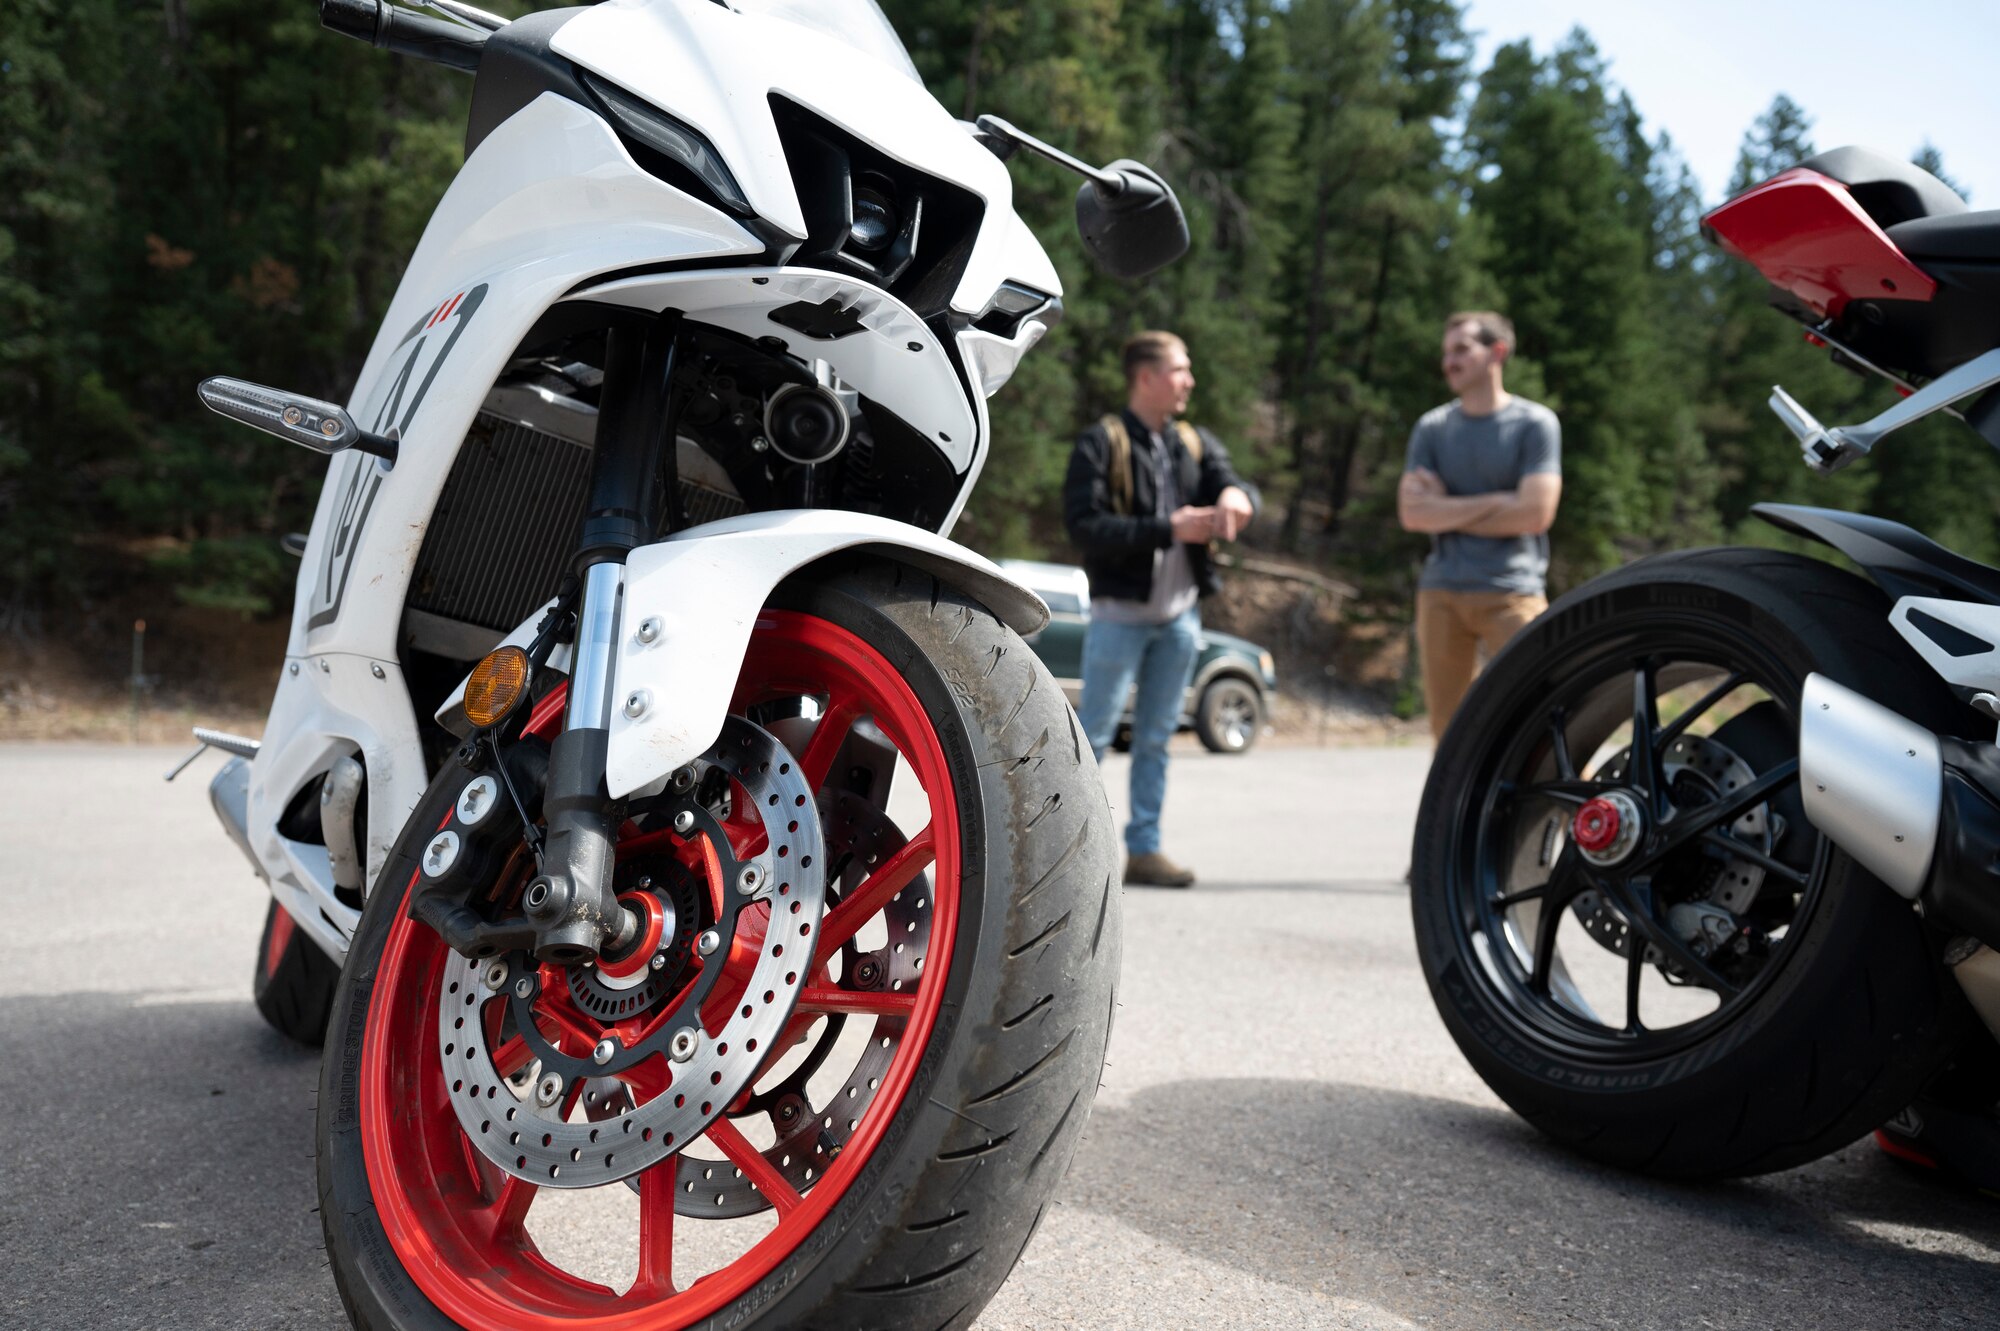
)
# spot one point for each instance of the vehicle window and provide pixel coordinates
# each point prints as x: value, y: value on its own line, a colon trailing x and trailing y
x: 1063, y: 603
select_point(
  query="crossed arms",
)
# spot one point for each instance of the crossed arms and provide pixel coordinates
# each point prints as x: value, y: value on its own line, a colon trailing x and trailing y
x: 1527, y: 510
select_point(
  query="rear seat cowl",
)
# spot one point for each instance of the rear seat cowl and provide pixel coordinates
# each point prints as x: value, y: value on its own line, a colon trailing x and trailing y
x: 1888, y: 189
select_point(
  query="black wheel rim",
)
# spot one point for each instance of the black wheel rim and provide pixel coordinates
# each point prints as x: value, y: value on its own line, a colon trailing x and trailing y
x: 1516, y: 931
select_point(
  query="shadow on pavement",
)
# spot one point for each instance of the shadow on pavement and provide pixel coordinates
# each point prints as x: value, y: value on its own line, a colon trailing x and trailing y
x: 160, y: 1171
x: 1457, y: 1215
x: 160, y: 1175
x: 1355, y: 887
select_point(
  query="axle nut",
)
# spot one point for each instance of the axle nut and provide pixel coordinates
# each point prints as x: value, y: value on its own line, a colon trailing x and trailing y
x: 1608, y: 828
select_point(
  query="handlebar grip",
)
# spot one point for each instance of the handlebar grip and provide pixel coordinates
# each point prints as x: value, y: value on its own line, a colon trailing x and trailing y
x: 351, y: 18
x: 383, y: 24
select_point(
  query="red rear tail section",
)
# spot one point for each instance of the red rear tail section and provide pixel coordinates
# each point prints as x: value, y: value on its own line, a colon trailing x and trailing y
x: 1806, y: 234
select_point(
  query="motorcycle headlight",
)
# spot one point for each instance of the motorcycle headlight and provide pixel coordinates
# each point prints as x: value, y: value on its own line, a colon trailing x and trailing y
x: 875, y: 220
x: 670, y: 138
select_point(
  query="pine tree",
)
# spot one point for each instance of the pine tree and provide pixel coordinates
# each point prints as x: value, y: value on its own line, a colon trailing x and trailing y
x: 59, y: 76
x: 261, y: 223
x: 1373, y: 267
x: 1564, y: 186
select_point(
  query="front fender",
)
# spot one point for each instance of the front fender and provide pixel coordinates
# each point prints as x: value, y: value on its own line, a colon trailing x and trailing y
x: 705, y: 587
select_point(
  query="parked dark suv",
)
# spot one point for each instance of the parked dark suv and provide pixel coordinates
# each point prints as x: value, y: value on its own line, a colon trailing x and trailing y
x: 1229, y: 699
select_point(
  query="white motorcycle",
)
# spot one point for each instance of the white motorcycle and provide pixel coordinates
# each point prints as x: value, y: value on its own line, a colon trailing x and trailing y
x: 704, y: 895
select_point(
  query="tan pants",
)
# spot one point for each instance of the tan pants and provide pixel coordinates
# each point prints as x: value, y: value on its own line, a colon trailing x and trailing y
x: 1454, y: 631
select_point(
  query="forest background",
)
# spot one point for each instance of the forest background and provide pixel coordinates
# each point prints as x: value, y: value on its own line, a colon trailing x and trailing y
x: 218, y: 186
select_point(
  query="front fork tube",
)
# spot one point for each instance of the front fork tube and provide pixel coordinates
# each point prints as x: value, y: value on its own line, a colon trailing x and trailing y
x: 573, y: 902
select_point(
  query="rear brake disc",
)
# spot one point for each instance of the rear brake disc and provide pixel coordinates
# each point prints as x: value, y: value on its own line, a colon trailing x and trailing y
x: 1735, y: 881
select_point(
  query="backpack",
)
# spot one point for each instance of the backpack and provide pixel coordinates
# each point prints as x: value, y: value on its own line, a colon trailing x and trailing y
x: 1119, y: 470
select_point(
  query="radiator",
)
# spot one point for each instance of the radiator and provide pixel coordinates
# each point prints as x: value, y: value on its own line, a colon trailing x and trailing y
x: 507, y: 524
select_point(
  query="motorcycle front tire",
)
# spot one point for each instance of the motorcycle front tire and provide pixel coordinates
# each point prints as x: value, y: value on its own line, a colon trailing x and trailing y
x: 943, y: 1206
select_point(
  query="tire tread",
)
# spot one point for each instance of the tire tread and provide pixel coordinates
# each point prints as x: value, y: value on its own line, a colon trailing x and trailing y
x: 1831, y: 1065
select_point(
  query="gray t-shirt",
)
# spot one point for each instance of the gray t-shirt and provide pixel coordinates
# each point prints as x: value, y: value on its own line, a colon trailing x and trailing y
x: 1477, y: 455
x: 1174, y: 589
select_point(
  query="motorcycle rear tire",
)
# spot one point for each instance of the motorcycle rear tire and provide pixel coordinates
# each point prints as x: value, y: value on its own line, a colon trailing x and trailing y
x: 1860, y: 1012
x: 941, y: 1209
x: 294, y: 982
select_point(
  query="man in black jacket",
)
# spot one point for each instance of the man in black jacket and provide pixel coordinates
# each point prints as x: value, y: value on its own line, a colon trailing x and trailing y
x: 1145, y: 495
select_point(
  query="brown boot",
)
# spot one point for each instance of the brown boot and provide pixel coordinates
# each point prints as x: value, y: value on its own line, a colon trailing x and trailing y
x: 1156, y: 870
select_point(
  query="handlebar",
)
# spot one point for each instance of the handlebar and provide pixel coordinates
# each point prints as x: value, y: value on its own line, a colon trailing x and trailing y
x: 383, y: 24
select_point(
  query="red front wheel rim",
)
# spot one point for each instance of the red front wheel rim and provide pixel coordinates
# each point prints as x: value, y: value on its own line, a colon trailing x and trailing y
x: 461, y: 1228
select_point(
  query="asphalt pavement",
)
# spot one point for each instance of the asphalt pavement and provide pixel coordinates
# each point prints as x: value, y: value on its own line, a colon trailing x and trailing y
x: 1286, y: 1136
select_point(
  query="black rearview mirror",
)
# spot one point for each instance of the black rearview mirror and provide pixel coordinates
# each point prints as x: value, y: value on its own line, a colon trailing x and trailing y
x: 1136, y: 230
x: 1130, y: 220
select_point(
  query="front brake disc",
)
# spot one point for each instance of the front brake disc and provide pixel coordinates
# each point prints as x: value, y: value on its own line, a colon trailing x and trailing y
x: 526, y: 1131
x: 859, y: 835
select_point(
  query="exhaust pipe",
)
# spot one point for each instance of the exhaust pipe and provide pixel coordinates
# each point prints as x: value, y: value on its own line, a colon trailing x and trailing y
x: 1873, y: 782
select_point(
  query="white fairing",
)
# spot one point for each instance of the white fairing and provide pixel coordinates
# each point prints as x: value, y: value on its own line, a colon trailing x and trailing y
x: 901, y: 364
x: 551, y: 207
x: 1975, y: 664
x: 705, y: 586
x: 715, y: 69
x: 549, y: 198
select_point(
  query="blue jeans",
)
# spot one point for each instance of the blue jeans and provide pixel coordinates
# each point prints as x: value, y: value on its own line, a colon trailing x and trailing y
x: 1160, y: 659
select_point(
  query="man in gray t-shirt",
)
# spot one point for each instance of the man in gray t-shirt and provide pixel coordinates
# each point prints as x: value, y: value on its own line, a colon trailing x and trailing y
x: 1483, y: 478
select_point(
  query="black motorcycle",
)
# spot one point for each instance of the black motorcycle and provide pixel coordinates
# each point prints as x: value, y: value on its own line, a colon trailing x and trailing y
x: 1704, y: 881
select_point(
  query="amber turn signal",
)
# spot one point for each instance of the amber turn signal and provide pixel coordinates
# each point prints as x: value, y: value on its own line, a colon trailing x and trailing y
x: 497, y: 685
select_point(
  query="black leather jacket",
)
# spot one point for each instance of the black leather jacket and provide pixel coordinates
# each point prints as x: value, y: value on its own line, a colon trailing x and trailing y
x: 1118, y: 548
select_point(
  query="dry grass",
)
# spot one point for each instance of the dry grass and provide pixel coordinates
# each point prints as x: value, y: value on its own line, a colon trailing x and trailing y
x: 1338, y: 670
x: 203, y: 668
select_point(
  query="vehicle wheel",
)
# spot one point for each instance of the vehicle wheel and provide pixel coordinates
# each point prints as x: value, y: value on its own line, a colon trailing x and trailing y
x: 295, y: 981
x: 893, y: 1146
x: 1656, y: 959
x: 1230, y: 715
